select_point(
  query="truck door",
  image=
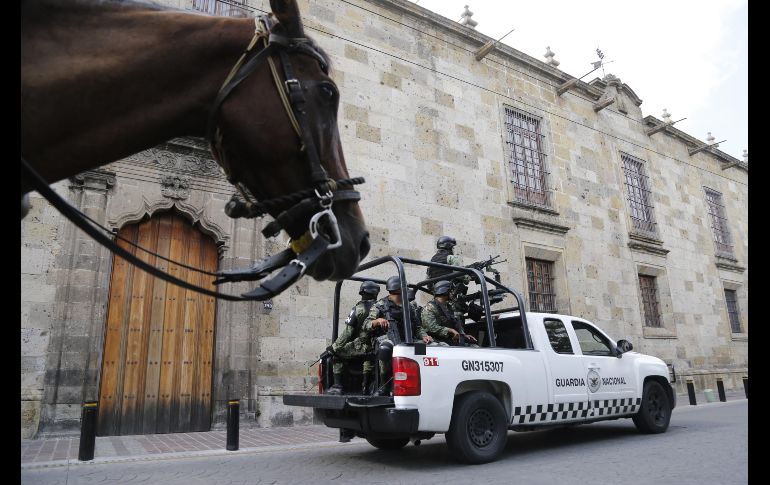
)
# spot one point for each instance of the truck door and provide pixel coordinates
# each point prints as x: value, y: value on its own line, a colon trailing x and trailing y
x: 566, y: 378
x: 611, y: 381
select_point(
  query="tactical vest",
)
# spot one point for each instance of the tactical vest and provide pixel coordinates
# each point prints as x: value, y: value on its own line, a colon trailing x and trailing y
x: 440, y: 257
x: 448, y: 319
x: 391, y: 312
x: 352, y: 319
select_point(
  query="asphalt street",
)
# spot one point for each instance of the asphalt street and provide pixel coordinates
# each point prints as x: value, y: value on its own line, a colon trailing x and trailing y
x: 705, y: 444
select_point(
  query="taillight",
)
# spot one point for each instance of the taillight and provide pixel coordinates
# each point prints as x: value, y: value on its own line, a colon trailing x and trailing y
x: 406, y: 377
x: 321, y: 377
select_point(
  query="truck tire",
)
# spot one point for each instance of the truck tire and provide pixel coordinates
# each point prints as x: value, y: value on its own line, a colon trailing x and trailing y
x: 478, y: 431
x: 655, y: 412
x: 388, y: 443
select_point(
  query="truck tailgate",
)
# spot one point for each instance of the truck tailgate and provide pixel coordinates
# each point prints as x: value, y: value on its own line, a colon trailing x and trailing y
x: 325, y: 401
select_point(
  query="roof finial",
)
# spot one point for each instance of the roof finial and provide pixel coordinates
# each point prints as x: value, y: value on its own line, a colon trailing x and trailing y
x: 666, y: 117
x: 710, y: 139
x: 746, y: 157
x: 549, y: 55
x: 467, y: 20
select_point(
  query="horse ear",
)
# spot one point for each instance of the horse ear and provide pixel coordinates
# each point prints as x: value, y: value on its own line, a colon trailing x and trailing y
x: 287, y: 13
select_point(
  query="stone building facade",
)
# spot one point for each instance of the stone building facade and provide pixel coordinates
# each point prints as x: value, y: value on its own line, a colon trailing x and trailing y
x: 627, y: 229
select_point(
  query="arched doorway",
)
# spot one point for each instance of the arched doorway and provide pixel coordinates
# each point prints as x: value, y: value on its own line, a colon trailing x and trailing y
x: 159, y: 338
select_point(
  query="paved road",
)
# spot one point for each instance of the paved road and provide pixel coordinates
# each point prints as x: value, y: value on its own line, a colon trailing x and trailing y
x: 704, y: 444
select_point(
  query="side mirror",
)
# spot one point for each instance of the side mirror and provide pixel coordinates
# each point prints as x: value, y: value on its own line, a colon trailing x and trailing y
x: 624, y: 346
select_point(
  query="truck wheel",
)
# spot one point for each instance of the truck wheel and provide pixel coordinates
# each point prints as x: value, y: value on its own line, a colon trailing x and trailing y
x: 655, y: 412
x: 478, y: 431
x: 388, y: 443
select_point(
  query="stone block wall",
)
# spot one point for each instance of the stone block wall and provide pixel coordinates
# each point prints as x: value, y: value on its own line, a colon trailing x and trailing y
x: 423, y: 122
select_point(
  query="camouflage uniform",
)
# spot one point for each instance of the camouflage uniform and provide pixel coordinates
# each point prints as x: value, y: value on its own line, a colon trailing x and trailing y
x: 437, y: 322
x: 348, y: 345
x: 379, y: 309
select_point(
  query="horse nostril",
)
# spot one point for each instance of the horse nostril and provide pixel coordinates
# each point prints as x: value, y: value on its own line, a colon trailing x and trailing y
x: 364, y: 249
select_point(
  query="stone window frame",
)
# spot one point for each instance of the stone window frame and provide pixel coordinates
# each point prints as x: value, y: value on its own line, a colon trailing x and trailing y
x: 740, y: 296
x: 545, y: 151
x: 715, y: 207
x: 667, y: 327
x: 650, y: 300
x: 553, y: 255
x: 646, y: 193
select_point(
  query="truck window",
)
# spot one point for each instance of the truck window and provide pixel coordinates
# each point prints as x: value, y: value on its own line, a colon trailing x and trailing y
x: 558, y: 336
x: 591, y: 341
x: 509, y: 333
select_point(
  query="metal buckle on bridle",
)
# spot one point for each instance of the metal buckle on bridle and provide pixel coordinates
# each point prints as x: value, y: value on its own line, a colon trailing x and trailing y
x: 289, y: 82
x: 325, y: 202
x: 303, y: 266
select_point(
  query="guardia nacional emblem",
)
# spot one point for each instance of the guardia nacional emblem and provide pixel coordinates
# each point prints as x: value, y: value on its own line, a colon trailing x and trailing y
x: 594, y: 380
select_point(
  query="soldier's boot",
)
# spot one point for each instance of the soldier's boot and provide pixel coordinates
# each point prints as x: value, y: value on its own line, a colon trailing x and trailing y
x: 367, y: 381
x: 336, y: 388
x: 346, y: 435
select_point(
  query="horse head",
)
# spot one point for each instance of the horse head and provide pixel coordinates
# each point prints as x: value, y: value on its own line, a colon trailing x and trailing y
x: 296, y: 139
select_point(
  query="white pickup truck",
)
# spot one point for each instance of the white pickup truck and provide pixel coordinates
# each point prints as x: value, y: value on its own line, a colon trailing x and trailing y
x: 531, y: 370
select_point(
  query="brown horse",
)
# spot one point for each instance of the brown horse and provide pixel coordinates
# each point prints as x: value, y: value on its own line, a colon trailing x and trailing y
x: 101, y: 80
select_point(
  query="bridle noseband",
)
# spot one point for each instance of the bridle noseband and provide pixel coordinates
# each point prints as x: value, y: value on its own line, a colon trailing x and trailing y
x: 302, y: 213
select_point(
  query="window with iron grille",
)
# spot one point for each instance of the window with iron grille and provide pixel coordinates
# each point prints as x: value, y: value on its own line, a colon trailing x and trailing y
x: 722, y: 239
x: 524, y: 150
x: 223, y: 8
x: 542, y: 295
x: 731, y: 297
x: 639, y: 195
x: 650, y: 300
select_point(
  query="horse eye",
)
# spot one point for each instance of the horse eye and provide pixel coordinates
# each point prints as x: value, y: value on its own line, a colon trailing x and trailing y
x: 327, y: 91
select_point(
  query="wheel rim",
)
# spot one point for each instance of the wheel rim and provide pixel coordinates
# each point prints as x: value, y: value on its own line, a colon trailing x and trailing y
x: 481, y: 427
x: 657, y: 407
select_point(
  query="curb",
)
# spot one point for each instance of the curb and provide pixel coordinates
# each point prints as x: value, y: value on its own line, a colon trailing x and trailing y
x: 687, y: 406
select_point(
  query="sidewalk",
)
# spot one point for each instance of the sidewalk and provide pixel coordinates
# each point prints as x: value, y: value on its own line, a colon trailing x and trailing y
x: 64, y: 451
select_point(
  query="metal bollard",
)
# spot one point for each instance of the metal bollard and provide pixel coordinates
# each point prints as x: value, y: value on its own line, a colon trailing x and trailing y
x: 233, y: 408
x: 721, y: 389
x: 691, y: 391
x: 746, y: 385
x: 88, y: 431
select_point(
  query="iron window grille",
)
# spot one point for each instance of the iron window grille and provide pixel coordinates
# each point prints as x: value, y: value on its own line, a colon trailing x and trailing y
x: 223, y: 8
x: 524, y: 150
x: 639, y: 196
x: 650, y: 302
x: 542, y: 295
x: 722, y: 239
x: 733, y: 312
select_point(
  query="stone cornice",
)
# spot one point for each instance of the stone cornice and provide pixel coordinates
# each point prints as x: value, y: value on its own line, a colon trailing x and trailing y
x: 692, y: 142
x: 729, y: 264
x: 477, y: 39
x: 98, y: 179
x: 646, y: 244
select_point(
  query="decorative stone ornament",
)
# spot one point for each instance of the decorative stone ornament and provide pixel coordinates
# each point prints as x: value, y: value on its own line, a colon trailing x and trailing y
x: 549, y: 55
x: 175, y: 186
x: 710, y: 139
x: 746, y: 157
x: 666, y: 117
x: 467, y: 20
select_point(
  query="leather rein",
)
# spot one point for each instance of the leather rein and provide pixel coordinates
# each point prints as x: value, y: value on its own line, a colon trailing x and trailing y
x: 308, y: 241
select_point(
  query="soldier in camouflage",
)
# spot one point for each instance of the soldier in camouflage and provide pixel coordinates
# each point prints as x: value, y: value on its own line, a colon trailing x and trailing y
x: 348, y: 345
x: 441, y: 318
x: 385, y: 311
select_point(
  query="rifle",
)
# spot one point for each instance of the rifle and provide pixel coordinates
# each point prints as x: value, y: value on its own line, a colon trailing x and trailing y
x: 392, y: 332
x: 487, y: 265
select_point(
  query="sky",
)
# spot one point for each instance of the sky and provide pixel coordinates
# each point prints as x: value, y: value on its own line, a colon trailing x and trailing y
x: 690, y: 57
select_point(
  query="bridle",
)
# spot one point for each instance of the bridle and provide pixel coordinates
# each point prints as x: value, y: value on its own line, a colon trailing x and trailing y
x: 301, y: 214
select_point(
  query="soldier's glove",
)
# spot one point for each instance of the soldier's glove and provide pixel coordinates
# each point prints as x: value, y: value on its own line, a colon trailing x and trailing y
x: 329, y: 352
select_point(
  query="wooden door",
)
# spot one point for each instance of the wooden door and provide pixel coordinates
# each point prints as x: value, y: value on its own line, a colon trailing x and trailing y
x: 159, y: 338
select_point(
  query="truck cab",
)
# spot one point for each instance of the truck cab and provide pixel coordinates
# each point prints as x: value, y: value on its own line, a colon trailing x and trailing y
x: 530, y: 370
